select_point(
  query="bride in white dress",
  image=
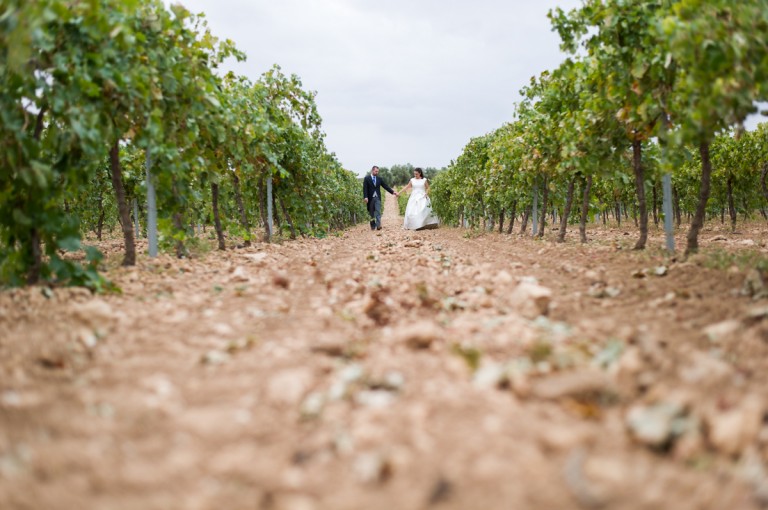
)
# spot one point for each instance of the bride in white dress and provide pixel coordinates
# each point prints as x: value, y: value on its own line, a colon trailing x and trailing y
x: 418, y: 212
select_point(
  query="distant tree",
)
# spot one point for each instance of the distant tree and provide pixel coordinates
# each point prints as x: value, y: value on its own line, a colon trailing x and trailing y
x: 386, y: 174
x: 430, y: 172
x: 399, y: 175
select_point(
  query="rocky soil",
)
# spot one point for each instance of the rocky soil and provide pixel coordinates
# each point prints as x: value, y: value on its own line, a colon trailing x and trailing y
x: 443, y: 369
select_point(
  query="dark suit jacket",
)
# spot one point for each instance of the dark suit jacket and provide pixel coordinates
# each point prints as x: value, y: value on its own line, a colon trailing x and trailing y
x: 369, y: 188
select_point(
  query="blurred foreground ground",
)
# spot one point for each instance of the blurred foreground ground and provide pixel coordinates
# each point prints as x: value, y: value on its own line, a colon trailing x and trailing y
x: 396, y: 370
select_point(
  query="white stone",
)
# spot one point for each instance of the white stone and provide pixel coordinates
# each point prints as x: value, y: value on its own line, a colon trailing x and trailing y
x: 420, y: 335
x: 560, y: 438
x: 257, y: 258
x: 489, y: 376
x: 394, y: 380
x: 630, y: 363
x: 701, y: 367
x: 313, y: 405
x: 240, y: 275
x: 652, y: 425
x: 95, y: 314
x: 593, y: 276
x: 733, y: 430
x: 722, y: 331
x: 570, y: 384
x: 531, y: 299
x: 376, y: 399
x: 289, y: 386
x: 215, y: 357
x: 222, y: 329
x: 371, y: 468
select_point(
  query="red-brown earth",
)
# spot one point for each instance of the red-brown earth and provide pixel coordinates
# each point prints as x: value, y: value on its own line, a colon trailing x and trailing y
x: 396, y: 370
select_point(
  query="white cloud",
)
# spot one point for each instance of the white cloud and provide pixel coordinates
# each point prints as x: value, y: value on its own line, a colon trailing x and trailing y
x: 753, y: 120
x: 397, y: 81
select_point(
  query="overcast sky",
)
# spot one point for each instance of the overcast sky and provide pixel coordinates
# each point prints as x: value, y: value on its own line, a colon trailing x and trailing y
x: 397, y: 81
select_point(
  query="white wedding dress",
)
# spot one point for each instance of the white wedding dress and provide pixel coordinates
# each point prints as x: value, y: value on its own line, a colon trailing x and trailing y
x: 418, y: 212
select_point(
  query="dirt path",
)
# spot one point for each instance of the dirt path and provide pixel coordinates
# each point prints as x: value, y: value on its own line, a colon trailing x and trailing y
x: 391, y: 369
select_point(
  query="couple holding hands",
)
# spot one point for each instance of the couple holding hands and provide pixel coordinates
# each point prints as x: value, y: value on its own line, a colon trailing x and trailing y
x: 418, y: 213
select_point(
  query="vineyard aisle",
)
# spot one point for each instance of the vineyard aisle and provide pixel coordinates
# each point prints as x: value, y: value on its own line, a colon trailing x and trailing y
x: 391, y: 370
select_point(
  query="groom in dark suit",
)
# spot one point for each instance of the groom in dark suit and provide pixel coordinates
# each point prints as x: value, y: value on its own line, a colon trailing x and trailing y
x: 372, y: 185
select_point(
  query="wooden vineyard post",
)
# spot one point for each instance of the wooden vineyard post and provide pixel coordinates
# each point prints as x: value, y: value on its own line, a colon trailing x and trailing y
x: 136, y: 225
x: 535, y: 214
x: 666, y: 190
x: 151, y: 209
x: 269, y: 208
x: 666, y: 181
